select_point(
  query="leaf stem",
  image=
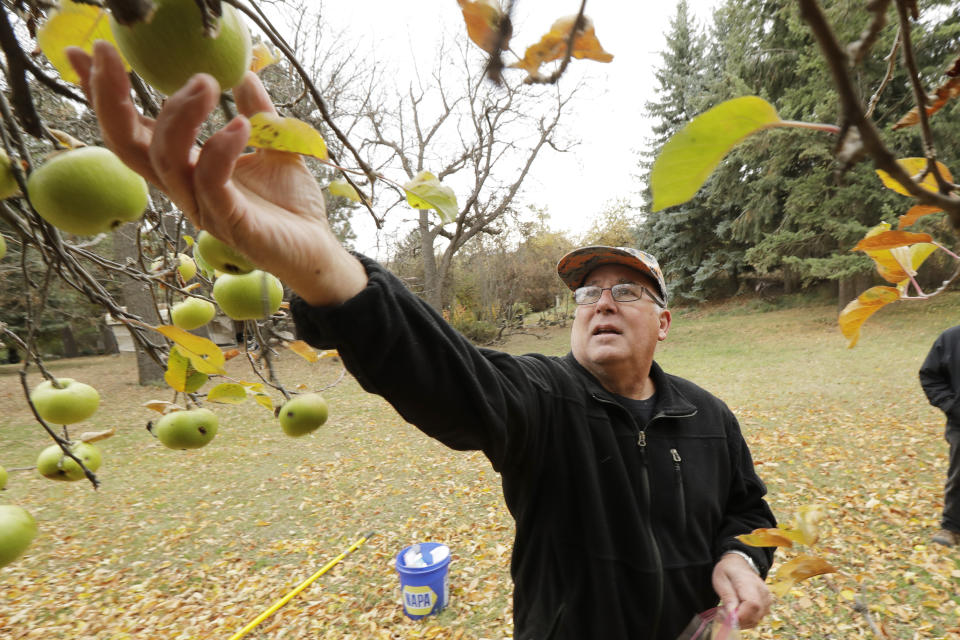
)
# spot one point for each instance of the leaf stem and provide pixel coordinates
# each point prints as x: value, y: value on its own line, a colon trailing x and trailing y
x: 829, y: 128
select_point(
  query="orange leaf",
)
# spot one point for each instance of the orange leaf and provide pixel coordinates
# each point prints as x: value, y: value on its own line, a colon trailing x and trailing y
x: 482, y: 18
x: 766, y: 538
x: 230, y: 354
x: 800, y: 568
x: 891, y: 240
x: 304, y: 350
x: 915, y: 213
x: 553, y: 45
x: 941, y: 96
x: 857, y: 311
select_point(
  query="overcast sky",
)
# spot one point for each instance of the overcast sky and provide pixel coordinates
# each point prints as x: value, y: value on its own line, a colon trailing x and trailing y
x: 575, y: 186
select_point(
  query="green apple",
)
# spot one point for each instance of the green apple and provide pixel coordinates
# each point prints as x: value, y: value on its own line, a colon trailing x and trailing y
x: 3, y: 478
x: 86, y: 191
x: 8, y: 183
x: 250, y: 296
x: 222, y: 256
x: 17, y: 531
x: 72, y: 402
x: 303, y: 414
x: 53, y: 463
x: 192, y: 313
x: 3, y: 247
x: 172, y: 47
x: 187, y: 267
x: 190, y: 429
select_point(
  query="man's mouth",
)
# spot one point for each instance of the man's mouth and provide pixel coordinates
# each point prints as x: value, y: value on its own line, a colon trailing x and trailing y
x: 605, y: 329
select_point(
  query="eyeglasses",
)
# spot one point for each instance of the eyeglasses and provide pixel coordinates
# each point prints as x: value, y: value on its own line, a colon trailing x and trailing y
x: 626, y: 292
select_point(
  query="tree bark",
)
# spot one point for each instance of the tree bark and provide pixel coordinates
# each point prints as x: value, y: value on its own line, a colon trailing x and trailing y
x: 69, y: 342
x: 136, y: 297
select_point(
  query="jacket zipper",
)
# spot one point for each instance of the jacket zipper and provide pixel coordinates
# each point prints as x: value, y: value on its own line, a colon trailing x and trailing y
x: 647, y: 506
x: 658, y: 560
x: 678, y: 474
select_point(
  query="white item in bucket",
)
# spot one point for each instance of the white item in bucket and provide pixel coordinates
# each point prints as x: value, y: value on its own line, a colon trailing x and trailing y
x: 439, y: 554
x: 413, y: 558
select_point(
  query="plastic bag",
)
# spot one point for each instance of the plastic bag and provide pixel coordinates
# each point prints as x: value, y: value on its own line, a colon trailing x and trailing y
x: 713, y: 624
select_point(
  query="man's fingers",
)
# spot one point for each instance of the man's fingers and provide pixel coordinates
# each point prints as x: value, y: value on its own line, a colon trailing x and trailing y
x: 124, y: 130
x: 214, y: 189
x: 173, y: 150
x: 82, y: 63
x: 251, y: 97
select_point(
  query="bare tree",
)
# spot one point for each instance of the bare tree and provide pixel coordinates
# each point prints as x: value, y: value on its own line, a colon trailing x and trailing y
x: 481, y: 138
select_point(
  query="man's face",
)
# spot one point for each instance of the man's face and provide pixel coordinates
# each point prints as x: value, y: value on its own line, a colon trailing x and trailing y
x: 608, y: 335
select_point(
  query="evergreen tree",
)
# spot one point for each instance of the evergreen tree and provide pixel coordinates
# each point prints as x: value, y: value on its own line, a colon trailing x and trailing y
x: 696, y: 256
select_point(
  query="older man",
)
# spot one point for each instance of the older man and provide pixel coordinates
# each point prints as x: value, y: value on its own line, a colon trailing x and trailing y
x: 628, y: 485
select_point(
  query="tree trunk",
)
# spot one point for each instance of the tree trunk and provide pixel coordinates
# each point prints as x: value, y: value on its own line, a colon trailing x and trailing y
x: 69, y: 342
x: 108, y: 341
x: 432, y: 285
x: 851, y: 287
x: 138, y: 301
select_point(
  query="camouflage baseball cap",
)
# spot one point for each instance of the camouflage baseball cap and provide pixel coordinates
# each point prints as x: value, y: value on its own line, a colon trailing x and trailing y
x: 574, y: 267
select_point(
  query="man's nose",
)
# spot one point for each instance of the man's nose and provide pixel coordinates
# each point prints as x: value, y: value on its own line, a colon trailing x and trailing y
x: 606, y: 300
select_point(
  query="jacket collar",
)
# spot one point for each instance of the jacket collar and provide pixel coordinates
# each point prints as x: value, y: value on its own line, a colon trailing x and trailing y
x: 670, y: 401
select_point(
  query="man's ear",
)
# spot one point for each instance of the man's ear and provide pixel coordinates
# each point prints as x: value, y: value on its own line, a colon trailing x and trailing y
x: 664, y: 325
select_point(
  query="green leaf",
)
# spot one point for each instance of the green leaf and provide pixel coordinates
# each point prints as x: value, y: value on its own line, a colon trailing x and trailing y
x: 426, y: 192
x: 227, y: 393
x: 691, y: 155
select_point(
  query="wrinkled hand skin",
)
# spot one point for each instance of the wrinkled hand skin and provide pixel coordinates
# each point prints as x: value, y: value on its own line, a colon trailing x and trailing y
x: 741, y: 590
x: 266, y: 204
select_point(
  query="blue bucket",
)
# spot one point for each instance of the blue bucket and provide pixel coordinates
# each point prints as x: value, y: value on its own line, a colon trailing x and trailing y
x: 424, y: 589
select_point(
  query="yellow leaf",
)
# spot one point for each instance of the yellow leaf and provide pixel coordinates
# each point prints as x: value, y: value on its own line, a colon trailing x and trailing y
x: 808, y: 521
x: 304, y: 350
x: 264, y: 401
x: 553, y: 45
x: 204, y: 355
x: 797, y: 569
x: 270, y: 131
x: 96, y: 436
x: 896, y: 265
x: 65, y: 139
x: 73, y: 25
x: 865, y: 305
x: 848, y: 594
x: 227, y: 393
x: 160, y: 406
x: 263, y: 57
x: 766, y: 538
x: 344, y: 189
x: 329, y: 353
x: 176, y: 373
x: 915, y: 167
x: 915, y: 213
x: 482, y: 18
x: 180, y: 373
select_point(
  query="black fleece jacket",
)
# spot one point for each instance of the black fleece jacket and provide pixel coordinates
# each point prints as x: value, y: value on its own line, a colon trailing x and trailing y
x: 617, y: 529
x: 940, y: 375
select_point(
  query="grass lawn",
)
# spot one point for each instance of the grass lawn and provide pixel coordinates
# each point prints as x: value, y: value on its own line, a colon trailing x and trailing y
x: 194, y: 544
